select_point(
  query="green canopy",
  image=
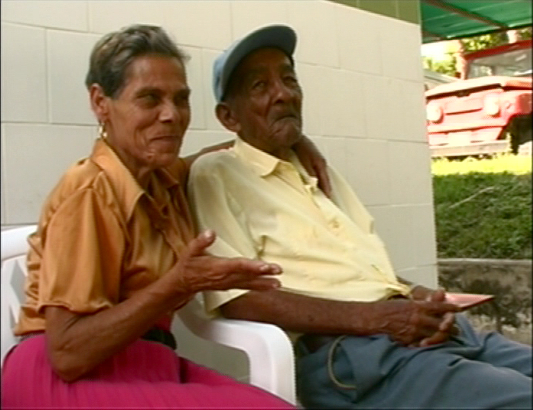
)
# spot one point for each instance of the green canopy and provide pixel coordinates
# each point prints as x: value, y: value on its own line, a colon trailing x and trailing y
x: 450, y: 19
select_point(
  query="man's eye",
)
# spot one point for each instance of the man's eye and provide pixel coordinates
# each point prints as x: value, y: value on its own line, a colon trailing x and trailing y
x: 290, y: 79
x: 258, y: 85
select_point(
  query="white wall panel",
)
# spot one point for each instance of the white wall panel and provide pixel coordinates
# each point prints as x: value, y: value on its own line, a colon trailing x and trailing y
x: 363, y: 105
x: 367, y: 170
x: 68, y: 56
x: 314, y: 22
x: 208, y: 97
x: 23, y: 74
x: 400, y: 58
x: 34, y: 157
x: 67, y: 15
x: 196, y: 82
x: 394, y: 225
x: 359, y: 41
x: 249, y: 15
x: 409, y: 171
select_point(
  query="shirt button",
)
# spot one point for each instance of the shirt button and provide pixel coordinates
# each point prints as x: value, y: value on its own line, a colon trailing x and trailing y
x: 335, y: 224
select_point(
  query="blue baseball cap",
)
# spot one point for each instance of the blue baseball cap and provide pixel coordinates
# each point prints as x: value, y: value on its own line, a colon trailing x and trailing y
x: 277, y: 35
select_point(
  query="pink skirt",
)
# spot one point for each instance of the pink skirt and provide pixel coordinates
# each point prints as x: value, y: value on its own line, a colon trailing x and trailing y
x: 144, y: 375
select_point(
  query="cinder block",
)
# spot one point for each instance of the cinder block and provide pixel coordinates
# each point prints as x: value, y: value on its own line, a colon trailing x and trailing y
x: 410, y: 173
x: 249, y: 15
x: 359, y: 41
x: 67, y: 15
x: 342, y: 106
x: 24, y: 96
x: 109, y: 15
x: 424, y: 235
x: 33, y: 159
x: 368, y: 170
x: 400, y: 49
x: 314, y: 92
x: 314, y: 22
x: 68, y: 62
x: 196, y: 83
x: 208, y: 58
x: 192, y: 23
x: 394, y: 225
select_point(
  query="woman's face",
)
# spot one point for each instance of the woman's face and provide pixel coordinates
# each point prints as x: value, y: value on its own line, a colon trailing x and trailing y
x: 146, y: 122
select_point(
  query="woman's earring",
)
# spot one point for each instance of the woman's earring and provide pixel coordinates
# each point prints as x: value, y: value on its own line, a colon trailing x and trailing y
x: 101, y: 131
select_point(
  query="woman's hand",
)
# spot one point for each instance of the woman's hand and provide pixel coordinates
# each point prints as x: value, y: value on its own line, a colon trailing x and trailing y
x: 314, y: 163
x: 198, y: 271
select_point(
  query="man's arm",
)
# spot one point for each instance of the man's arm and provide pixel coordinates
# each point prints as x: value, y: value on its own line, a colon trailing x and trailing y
x: 213, y: 205
x: 406, y: 321
x: 310, y: 157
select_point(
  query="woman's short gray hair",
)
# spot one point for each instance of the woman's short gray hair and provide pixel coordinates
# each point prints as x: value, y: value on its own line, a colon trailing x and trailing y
x: 113, y: 54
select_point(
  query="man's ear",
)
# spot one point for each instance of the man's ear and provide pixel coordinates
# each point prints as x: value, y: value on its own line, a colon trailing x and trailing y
x: 99, y: 103
x: 227, y: 118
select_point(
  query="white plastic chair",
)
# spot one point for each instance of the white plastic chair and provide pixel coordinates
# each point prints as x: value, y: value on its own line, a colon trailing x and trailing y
x: 268, y: 348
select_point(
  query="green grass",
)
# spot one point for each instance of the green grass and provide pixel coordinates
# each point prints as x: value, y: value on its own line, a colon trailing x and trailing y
x: 483, y: 207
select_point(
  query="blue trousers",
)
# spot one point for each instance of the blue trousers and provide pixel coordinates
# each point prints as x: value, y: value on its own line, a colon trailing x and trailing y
x: 470, y: 371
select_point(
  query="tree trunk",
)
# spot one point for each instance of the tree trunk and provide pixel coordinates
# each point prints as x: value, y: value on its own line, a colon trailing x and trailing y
x: 513, y: 36
x: 460, y: 62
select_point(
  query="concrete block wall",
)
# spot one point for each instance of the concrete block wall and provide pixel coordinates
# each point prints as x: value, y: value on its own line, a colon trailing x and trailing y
x: 363, y: 101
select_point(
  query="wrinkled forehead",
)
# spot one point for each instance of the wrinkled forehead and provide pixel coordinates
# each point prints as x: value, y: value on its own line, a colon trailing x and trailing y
x: 155, y: 71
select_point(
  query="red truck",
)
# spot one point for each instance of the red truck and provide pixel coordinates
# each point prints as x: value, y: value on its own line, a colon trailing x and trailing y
x: 488, y: 111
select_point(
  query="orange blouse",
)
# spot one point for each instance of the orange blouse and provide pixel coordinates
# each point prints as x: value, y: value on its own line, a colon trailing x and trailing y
x: 101, y: 237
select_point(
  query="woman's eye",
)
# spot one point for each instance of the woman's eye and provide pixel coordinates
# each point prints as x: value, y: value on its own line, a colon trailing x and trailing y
x: 182, y: 101
x: 150, y: 99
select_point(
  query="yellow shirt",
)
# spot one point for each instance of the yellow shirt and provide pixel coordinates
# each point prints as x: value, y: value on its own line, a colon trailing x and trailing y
x: 268, y: 209
x: 101, y: 237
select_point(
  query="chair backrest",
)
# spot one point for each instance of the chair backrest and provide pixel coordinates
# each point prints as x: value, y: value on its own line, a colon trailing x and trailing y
x: 14, y: 249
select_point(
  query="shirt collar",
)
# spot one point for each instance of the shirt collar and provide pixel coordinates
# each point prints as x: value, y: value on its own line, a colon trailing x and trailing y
x: 127, y: 189
x: 265, y: 164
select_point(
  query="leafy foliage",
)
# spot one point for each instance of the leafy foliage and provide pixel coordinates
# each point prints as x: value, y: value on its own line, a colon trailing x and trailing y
x: 484, y: 41
x: 482, y: 210
x: 525, y: 33
x: 448, y: 65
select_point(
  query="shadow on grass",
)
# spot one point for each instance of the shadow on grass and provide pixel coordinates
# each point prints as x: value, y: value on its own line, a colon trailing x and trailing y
x: 483, y: 215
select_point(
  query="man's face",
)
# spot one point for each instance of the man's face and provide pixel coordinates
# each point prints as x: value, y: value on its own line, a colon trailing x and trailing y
x: 266, y: 101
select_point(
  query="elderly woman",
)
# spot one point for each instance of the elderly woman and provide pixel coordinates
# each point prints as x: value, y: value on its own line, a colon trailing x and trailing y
x: 114, y: 255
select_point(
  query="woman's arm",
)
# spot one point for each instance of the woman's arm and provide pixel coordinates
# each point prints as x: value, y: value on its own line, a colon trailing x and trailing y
x: 78, y: 343
x: 314, y: 163
x: 308, y: 154
x: 217, y: 147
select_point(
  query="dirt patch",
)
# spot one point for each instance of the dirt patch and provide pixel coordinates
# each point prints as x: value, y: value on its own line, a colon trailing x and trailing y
x: 508, y: 280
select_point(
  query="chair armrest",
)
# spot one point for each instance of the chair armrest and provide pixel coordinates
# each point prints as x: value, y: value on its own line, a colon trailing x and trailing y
x: 268, y: 348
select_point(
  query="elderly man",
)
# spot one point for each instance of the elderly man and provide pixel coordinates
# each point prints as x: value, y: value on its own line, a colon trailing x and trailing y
x: 364, y: 338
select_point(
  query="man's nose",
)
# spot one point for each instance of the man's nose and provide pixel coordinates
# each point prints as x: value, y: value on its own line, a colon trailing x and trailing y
x: 282, y: 92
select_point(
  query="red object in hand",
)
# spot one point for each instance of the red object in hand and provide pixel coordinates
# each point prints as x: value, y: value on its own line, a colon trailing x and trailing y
x: 467, y: 300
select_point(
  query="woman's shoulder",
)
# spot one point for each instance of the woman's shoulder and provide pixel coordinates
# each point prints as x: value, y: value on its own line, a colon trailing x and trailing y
x: 80, y: 177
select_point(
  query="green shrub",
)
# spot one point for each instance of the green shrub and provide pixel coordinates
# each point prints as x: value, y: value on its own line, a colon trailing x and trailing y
x: 483, y: 207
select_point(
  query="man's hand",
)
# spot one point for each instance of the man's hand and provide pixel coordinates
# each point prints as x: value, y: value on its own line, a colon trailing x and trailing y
x: 447, y: 327
x: 198, y: 271
x: 420, y: 292
x: 314, y: 163
x: 412, y: 323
